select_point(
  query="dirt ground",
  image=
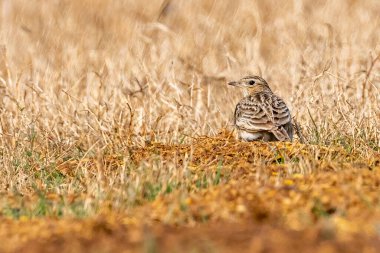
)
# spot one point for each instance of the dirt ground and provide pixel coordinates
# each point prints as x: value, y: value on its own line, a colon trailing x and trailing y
x: 243, y: 206
x: 101, y: 236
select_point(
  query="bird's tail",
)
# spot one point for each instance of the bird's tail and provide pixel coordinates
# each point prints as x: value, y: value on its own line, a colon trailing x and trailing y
x: 282, y: 134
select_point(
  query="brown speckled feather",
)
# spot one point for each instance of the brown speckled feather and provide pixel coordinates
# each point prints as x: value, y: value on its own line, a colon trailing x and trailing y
x: 264, y: 112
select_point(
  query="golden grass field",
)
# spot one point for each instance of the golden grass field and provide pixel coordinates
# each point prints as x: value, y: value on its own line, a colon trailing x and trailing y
x: 117, y: 134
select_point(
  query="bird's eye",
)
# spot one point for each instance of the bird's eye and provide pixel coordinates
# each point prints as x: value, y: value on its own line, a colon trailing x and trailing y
x: 251, y: 82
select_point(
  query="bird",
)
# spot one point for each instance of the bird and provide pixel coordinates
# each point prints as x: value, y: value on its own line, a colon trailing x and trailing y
x: 261, y: 114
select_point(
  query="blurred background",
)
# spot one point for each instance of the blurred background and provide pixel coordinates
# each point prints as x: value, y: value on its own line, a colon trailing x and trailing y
x: 78, y: 69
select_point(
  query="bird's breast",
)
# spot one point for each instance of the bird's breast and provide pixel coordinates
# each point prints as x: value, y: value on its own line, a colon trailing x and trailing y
x: 247, y: 136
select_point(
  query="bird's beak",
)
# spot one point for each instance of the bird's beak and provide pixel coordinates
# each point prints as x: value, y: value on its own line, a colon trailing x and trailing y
x: 233, y: 83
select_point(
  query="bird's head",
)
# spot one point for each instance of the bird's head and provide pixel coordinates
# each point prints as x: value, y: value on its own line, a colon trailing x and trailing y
x: 252, y: 83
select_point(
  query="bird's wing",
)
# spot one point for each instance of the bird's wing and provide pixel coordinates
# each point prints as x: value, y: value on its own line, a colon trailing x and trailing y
x: 263, y: 112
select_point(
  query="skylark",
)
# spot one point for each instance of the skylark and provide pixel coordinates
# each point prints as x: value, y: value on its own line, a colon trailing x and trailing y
x: 261, y: 115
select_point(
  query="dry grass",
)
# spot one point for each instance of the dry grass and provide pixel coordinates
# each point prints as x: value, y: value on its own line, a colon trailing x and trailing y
x: 121, y: 108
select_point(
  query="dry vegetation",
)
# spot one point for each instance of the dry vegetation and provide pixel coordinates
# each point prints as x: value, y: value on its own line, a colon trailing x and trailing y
x: 116, y: 132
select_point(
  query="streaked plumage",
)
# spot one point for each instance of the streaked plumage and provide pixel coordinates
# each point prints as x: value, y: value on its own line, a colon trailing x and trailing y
x: 261, y: 115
